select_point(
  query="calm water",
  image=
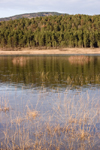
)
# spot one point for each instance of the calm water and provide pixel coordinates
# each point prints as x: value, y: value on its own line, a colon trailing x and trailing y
x: 28, y: 78
x: 50, y: 72
x: 45, y: 83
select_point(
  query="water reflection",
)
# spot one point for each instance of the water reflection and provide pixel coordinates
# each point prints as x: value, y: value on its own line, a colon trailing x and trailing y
x: 80, y: 59
x: 50, y: 71
x: 19, y: 61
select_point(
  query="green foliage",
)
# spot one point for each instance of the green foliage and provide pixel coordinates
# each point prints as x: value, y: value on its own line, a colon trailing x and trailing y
x: 51, y: 31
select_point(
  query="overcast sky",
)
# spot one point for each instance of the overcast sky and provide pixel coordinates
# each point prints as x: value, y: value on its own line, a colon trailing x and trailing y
x: 14, y: 7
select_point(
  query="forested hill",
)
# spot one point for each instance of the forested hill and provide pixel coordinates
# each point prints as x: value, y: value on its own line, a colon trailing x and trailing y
x: 31, y: 15
x: 51, y: 32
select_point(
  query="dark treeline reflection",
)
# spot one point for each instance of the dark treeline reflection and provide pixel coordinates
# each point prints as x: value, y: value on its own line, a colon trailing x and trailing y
x: 50, y: 71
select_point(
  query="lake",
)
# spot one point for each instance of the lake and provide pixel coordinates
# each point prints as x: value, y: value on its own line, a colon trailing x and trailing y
x: 50, y: 102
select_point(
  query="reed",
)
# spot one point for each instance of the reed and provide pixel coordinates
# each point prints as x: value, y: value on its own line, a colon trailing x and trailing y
x: 70, y: 123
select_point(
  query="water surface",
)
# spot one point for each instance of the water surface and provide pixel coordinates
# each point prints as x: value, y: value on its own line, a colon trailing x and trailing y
x: 50, y: 83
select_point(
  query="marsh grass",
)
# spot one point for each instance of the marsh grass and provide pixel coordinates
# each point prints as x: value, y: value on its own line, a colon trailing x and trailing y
x: 4, y: 105
x: 71, y: 123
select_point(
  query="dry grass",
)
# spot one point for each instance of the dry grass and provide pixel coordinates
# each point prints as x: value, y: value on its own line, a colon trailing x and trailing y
x: 72, y: 125
x: 79, y: 59
x: 25, y: 51
x: 32, y: 113
x: 4, y: 105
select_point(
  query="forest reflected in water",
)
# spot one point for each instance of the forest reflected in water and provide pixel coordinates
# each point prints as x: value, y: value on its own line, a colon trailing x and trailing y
x: 50, y: 71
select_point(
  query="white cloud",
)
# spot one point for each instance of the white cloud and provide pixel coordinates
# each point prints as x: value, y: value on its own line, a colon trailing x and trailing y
x: 12, y: 7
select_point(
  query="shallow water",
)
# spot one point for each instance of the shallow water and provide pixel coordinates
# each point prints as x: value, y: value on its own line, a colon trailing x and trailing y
x: 48, y: 84
x: 40, y: 79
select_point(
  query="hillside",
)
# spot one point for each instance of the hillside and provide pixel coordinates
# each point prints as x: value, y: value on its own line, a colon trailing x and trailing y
x: 51, y: 32
x: 31, y: 15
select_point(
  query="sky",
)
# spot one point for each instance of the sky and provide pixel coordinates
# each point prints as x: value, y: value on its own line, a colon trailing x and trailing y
x: 15, y: 7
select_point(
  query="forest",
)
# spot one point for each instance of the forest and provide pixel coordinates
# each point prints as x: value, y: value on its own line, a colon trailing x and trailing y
x: 51, y: 32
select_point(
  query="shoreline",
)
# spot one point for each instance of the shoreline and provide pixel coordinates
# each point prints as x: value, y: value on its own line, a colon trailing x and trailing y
x: 62, y: 51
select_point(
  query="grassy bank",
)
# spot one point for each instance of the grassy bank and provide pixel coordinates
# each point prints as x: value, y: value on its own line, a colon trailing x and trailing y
x: 63, y: 51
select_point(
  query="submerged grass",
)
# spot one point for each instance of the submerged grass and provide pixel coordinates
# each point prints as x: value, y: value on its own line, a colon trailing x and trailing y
x: 73, y: 123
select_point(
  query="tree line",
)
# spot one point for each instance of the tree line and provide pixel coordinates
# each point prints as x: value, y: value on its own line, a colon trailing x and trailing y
x: 51, y: 32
